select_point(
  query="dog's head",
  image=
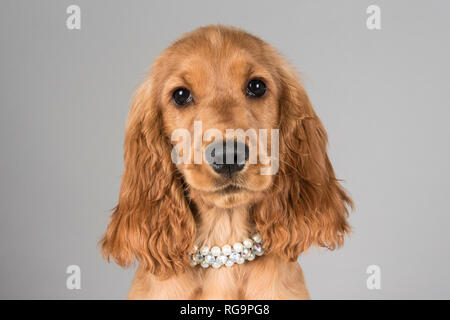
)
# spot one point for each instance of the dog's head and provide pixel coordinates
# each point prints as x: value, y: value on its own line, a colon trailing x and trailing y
x: 223, y: 121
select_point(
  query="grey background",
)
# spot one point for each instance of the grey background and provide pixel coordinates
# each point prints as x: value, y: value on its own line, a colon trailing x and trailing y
x: 382, y: 95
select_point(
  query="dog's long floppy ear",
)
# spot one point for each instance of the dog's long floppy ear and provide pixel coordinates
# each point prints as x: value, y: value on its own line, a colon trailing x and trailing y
x: 152, y: 223
x: 309, y: 207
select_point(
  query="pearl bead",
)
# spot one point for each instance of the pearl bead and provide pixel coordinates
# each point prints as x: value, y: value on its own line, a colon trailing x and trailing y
x: 257, y: 237
x: 215, y: 251
x: 238, y: 247
x: 258, y: 249
x: 209, y: 258
x: 205, y: 264
x: 226, y: 250
x: 240, y: 260
x: 245, y: 252
x: 251, y: 257
x: 204, y: 250
x: 216, y: 265
x: 247, y: 243
x: 222, y: 259
x: 197, y: 257
x: 234, y: 256
x: 229, y: 263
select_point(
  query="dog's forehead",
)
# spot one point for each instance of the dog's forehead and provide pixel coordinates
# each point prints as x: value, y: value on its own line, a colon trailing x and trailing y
x: 218, y: 39
x: 224, y: 65
x: 215, y: 61
x: 217, y: 50
x: 219, y: 66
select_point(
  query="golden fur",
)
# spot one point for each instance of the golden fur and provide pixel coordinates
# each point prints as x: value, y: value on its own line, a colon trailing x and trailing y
x: 164, y: 208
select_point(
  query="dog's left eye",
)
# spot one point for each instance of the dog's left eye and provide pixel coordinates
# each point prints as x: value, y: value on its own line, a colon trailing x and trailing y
x: 182, y: 96
x: 256, y: 88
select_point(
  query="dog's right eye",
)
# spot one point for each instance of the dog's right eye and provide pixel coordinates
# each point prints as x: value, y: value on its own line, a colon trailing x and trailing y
x: 256, y: 88
x: 182, y: 97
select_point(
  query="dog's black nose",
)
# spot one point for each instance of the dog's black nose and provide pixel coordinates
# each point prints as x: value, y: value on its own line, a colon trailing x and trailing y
x: 227, y: 157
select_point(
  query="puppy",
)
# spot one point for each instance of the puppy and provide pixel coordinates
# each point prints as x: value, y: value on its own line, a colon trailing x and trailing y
x: 209, y: 228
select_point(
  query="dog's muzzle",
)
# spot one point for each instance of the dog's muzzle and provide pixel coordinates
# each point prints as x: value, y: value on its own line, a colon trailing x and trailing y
x: 227, y: 157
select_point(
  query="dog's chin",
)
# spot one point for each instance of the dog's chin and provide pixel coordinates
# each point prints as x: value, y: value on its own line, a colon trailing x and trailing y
x: 231, y: 197
x: 228, y: 200
x: 230, y: 194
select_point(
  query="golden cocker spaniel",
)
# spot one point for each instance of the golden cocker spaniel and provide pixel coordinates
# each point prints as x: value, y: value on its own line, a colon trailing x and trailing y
x: 219, y: 226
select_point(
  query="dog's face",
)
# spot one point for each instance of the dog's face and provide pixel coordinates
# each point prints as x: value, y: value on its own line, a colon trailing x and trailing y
x: 212, y: 80
x: 224, y: 88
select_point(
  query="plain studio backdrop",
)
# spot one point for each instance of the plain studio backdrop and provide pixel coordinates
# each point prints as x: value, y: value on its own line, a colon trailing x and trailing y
x: 383, y: 96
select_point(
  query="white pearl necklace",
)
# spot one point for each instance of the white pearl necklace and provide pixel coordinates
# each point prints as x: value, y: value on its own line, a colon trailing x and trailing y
x: 228, y: 255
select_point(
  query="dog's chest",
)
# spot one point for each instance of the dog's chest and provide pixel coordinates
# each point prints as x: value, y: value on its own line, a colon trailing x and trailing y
x: 223, y: 283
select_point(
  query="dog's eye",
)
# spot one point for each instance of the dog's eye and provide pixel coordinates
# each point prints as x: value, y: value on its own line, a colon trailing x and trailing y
x: 256, y: 88
x: 182, y: 96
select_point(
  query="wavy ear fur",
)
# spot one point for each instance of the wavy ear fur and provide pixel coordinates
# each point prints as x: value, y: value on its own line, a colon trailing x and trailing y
x: 308, y: 206
x: 152, y: 222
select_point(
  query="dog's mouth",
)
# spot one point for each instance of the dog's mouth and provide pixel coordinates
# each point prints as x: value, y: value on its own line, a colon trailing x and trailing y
x: 230, y: 189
